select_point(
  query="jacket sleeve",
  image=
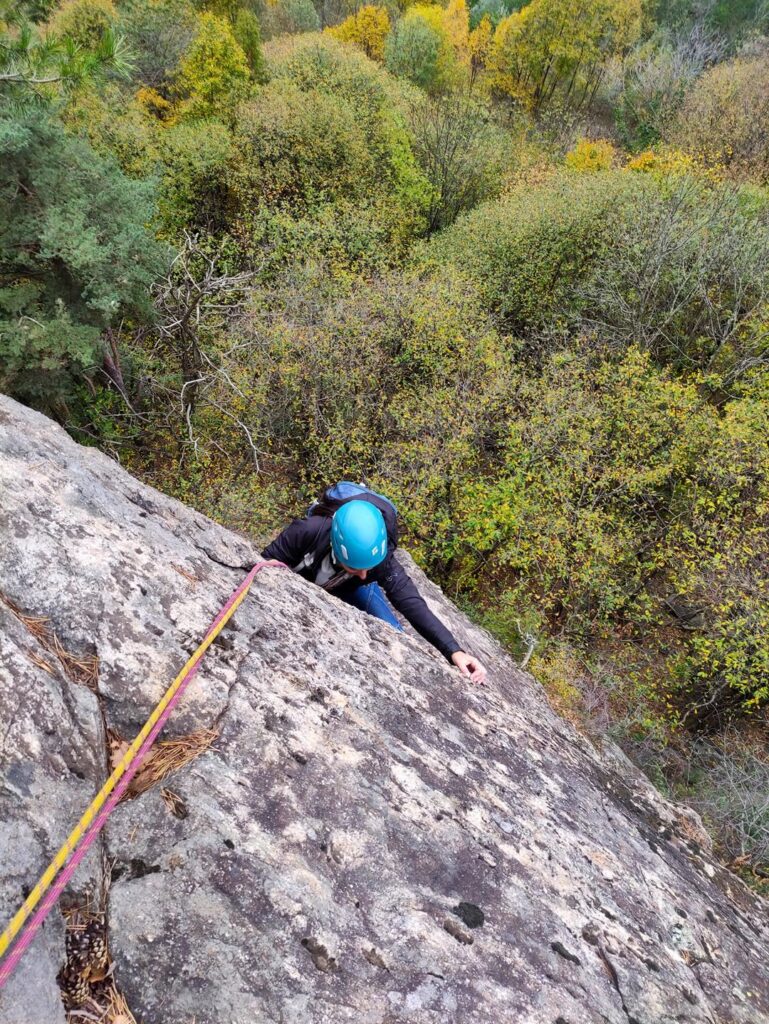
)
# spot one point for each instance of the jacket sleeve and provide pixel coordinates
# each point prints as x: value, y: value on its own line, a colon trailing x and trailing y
x: 294, y: 542
x: 403, y: 594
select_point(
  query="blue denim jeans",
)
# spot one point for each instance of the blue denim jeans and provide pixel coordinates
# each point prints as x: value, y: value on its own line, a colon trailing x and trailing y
x: 370, y: 598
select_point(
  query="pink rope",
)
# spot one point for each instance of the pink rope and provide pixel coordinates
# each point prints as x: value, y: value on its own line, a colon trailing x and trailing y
x: 51, y: 897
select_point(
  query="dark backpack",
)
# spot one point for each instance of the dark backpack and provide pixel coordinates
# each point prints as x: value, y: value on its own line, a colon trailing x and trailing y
x: 340, y: 493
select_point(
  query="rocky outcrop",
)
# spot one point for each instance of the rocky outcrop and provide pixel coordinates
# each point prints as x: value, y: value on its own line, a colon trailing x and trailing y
x: 370, y: 839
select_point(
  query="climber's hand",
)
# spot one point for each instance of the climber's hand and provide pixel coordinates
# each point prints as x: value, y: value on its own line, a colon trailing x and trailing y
x: 469, y: 666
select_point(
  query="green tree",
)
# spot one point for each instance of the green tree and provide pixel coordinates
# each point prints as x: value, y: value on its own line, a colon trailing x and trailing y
x: 214, y: 74
x: 249, y: 37
x: 31, y: 63
x: 429, y: 46
x: 75, y: 255
x: 494, y: 10
x: 413, y: 50
x: 561, y: 48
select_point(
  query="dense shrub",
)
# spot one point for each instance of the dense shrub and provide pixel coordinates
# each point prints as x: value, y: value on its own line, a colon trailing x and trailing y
x: 302, y: 148
x: 195, y: 187
x: 157, y: 33
x: 721, y: 558
x: 288, y: 16
x: 652, y: 83
x: 116, y: 124
x: 396, y: 378
x: 529, y: 253
x: 85, y: 22
x: 664, y: 162
x: 686, y: 276
x: 730, y: 788
x: 672, y: 263
x: 593, y: 444
x: 344, y: 236
x: 590, y: 156
x: 725, y: 119
x: 335, y: 122
x: 623, y: 503
x: 323, y: 63
x: 463, y: 151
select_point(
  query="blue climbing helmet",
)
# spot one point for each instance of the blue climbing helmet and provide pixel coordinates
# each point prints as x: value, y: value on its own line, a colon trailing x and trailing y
x: 359, y: 535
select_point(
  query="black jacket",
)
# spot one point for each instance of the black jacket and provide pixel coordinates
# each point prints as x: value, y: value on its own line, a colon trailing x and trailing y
x: 312, y: 536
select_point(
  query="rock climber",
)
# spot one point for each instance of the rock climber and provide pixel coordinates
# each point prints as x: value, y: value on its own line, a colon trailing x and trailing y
x: 345, y: 544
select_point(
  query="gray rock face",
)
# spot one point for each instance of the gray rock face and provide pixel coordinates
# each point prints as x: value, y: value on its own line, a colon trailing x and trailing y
x: 370, y: 839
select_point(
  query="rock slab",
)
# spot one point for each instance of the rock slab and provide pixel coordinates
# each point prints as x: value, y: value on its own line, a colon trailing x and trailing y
x: 370, y: 839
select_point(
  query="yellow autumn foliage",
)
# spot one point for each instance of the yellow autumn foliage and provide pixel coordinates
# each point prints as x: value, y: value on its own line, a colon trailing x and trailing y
x: 535, y: 58
x: 430, y: 45
x: 153, y: 103
x: 668, y: 162
x: 367, y: 29
x: 214, y: 72
x: 480, y: 44
x: 662, y: 161
x: 588, y: 156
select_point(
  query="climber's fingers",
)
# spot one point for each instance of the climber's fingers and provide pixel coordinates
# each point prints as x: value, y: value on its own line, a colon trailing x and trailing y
x: 469, y: 666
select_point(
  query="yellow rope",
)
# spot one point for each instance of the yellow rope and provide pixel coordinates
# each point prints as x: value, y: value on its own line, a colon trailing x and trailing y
x: 17, y: 922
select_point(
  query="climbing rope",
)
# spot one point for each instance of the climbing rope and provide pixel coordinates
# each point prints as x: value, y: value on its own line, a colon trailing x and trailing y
x: 108, y: 796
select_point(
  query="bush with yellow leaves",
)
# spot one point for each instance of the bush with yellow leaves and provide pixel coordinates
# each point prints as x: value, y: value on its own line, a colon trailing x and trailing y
x: 662, y: 160
x: 588, y: 156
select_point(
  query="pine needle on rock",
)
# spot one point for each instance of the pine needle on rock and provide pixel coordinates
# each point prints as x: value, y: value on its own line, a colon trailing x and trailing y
x: 167, y: 756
